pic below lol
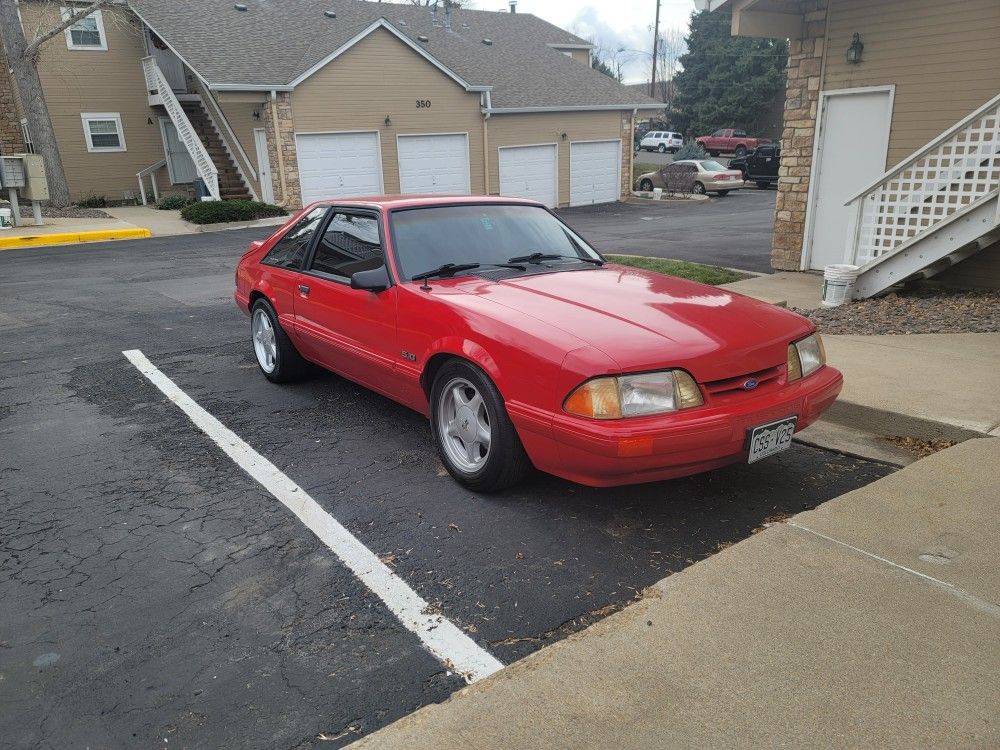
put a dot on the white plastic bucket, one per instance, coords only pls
(838, 283)
(6, 220)
(657, 193)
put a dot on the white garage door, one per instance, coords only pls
(433, 164)
(335, 165)
(594, 172)
(529, 172)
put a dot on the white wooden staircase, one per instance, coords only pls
(160, 93)
(934, 209)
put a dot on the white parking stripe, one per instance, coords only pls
(454, 648)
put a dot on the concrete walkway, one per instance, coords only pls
(801, 290)
(872, 621)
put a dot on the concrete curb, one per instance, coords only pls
(877, 421)
(71, 238)
(275, 221)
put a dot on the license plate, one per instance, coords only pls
(770, 438)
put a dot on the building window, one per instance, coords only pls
(87, 33)
(29, 147)
(103, 131)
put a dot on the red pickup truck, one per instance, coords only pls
(730, 141)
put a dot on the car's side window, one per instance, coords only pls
(717, 134)
(350, 243)
(290, 251)
(739, 134)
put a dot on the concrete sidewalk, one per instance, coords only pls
(872, 621)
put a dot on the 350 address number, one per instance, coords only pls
(423, 103)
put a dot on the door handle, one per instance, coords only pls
(303, 290)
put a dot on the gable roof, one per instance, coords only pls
(276, 44)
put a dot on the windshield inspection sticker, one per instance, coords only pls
(486, 222)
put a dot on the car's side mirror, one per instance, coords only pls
(376, 280)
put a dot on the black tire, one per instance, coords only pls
(740, 152)
(646, 186)
(506, 463)
(721, 193)
(699, 188)
(763, 184)
(662, 148)
(288, 363)
(713, 153)
(672, 150)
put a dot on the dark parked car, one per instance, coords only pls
(760, 165)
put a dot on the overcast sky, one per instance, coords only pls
(611, 23)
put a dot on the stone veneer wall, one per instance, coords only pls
(11, 138)
(285, 140)
(628, 125)
(805, 65)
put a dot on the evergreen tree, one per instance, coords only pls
(727, 81)
(598, 64)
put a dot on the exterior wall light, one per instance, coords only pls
(388, 121)
(855, 50)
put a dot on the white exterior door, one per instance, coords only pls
(529, 172)
(338, 165)
(594, 172)
(434, 164)
(853, 142)
(180, 167)
(263, 165)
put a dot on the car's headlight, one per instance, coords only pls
(634, 395)
(805, 356)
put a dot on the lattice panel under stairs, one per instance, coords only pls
(932, 187)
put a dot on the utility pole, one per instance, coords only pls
(656, 40)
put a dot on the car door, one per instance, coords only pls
(282, 268)
(350, 331)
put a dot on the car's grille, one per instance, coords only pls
(734, 388)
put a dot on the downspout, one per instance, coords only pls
(279, 149)
(487, 113)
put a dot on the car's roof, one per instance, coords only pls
(389, 202)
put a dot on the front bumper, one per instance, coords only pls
(646, 449)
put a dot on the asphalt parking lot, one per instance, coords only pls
(156, 595)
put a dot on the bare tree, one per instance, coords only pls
(672, 45)
(23, 56)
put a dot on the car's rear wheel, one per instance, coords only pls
(740, 152)
(662, 148)
(699, 188)
(646, 186)
(276, 355)
(713, 153)
(722, 192)
(473, 435)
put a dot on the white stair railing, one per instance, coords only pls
(942, 181)
(150, 172)
(157, 85)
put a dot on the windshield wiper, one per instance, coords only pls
(450, 269)
(539, 257)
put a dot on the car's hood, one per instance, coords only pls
(646, 321)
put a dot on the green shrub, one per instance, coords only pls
(690, 150)
(173, 203)
(93, 201)
(216, 212)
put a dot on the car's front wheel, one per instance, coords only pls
(763, 184)
(276, 355)
(473, 435)
(646, 186)
(662, 148)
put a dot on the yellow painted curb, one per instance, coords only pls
(67, 238)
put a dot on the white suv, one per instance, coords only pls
(662, 141)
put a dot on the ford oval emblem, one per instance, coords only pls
(749, 385)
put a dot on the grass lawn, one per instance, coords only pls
(640, 168)
(681, 268)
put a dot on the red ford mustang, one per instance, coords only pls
(524, 347)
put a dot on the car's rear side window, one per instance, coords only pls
(290, 251)
(350, 243)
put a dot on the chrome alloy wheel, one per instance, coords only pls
(264, 344)
(463, 425)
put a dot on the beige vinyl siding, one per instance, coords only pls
(942, 57)
(382, 76)
(529, 129)
(77, 81)
(580, 55)
(240, 118)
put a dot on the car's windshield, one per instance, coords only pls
(712, 166)
(427, 238)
